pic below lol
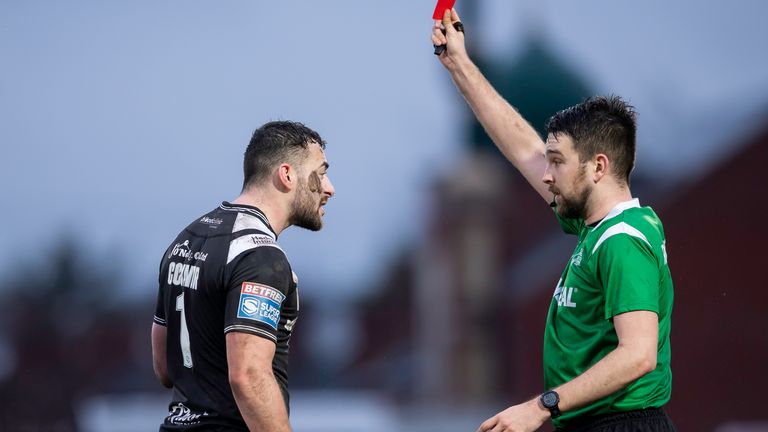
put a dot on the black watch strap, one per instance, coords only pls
(550, 401)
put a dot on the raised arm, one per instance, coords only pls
(511, 133)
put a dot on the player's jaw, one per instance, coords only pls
(307, 210)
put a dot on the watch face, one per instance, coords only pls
(549, 399)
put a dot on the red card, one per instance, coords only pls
(442, 6)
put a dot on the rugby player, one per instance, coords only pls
(228, 298)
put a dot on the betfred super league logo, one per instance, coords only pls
(260, 303)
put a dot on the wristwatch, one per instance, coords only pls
(550, 399)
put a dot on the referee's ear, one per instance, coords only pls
(601, 165)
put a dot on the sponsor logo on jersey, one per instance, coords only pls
(260, 303)
(180, 414)
(211, 221)
(262, 240)
(183, 275)
(576, 259)
(182, 250)
(564, 295)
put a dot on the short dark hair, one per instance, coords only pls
(274, 143)
(601, 124)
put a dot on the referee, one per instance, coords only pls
(228, 299)
(606, 341)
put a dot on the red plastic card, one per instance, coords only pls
(442, 6)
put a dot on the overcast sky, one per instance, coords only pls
(120, 122)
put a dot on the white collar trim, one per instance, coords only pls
(620, 207)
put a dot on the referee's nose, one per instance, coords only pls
(547, 177)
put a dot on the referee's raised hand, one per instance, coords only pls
(449, 33)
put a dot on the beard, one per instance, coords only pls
(304, 211)
(575, 207)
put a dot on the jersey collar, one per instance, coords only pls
(251, 210)
(620, 207)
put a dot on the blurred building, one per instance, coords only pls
(716, 242)
(451, 292)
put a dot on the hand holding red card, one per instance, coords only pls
(442, 6)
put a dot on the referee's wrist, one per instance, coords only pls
(466, 75)
(543, 412)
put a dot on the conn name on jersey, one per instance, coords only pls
(224, 272)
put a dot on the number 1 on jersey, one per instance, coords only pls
(186, 352)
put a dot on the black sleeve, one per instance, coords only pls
(159, 317)
(258, 286)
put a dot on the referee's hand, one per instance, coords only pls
(453, 39)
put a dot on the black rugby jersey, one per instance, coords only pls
(224, 272)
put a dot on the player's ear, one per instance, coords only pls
(601, 165)
(286, 177)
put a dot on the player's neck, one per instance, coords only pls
(277, 216)
(603, 201)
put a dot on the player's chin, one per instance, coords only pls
(312, 224)
(317, 226)
(318, 222)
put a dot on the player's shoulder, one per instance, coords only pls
(214, 222)
(255, 244)
(267, 264)
(268, 252)
(230, 219)
(198, 231)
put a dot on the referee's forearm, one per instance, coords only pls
(615, 371)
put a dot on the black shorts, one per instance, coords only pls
(646, 420)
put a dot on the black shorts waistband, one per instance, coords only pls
(590, 423)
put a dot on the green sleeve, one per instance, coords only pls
(629, 273)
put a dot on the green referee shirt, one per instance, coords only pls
(619, 265)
